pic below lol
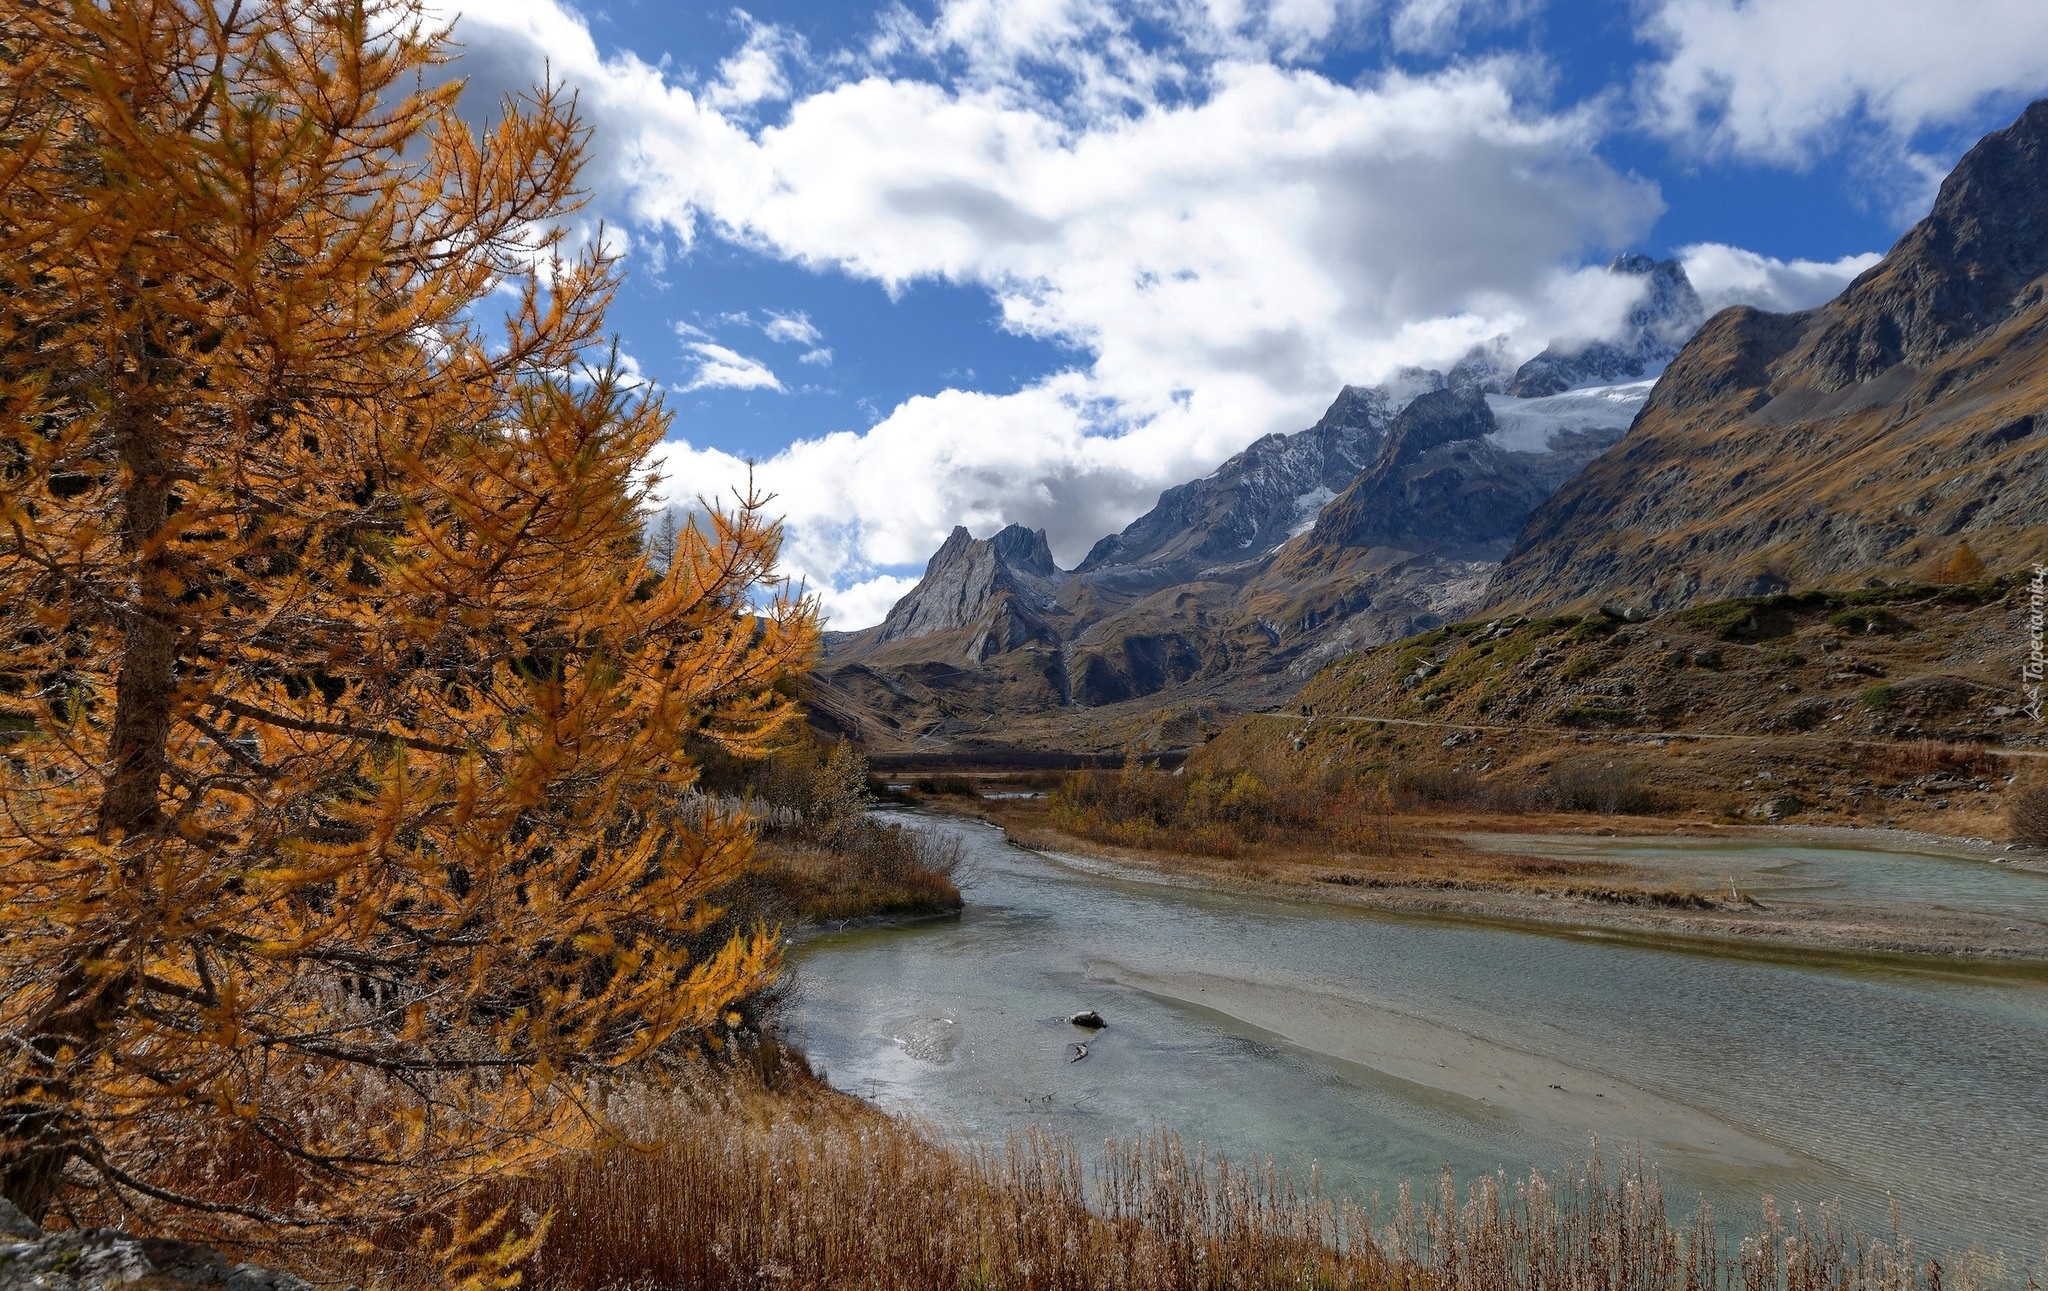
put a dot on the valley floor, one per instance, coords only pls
(1660, 880)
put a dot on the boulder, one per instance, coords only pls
(104, 1259)
(1088, 1018)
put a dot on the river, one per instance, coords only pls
(1381, 1048)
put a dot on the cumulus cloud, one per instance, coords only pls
(865, 602)
(1781, 79)
(1725, 275)
(754, 73)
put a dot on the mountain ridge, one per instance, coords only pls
(1883, 430)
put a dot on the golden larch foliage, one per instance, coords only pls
(1961, 566)
(345, 824)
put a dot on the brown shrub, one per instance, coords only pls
(1592, 783)
(2027, 811)
(1911, 758)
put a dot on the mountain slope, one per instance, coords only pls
(1864, 439)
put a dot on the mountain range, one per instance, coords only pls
(1680, 459)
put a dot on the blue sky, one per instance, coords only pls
(982, 261)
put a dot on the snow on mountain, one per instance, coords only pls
(1529, 425)
(1307, 507)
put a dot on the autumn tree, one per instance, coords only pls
(1960, 566)
(344, 814)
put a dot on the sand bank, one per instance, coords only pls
(1473, 1076)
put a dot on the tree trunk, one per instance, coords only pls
(144, 688)
(35, 1142)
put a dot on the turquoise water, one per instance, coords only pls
(1869, 1077)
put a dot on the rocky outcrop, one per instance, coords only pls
(104, 1259)
(1442, 484)
(1423, 488)
(1871, 438)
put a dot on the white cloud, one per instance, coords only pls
(1725, 275)
(819, 357)
(754, 74)
(1782, 79)
(1003, 46)
(865, 602)
(721, 368)
(792, 329)
(1434, 26)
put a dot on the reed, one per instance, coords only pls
(717, 1187)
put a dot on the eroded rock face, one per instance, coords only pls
(1952, 275)
(103, 1259)
(968, 578)
(1440, 483)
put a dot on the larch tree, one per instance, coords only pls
(345, 813)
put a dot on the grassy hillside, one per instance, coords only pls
(1867, 706)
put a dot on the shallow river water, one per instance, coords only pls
(1382, 1048)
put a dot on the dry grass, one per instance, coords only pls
(751, 1173)
(883, 870)
(1269, 806)
(1910, 759)
(1418, 858)
(717, 1188)
(1372, 832)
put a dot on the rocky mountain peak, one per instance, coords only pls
(1485, 368)
(1253, 502)
(1356, 408)
(1024, 550)
(1668, 313)
(968, 575)
(1399, 500)
(1954, 273)
(1438, 417)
